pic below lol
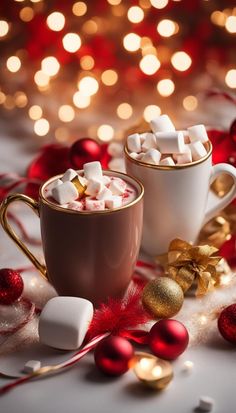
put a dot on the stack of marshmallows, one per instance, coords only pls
(166, 146)
(92, 192)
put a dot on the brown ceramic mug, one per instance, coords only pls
(89, 254)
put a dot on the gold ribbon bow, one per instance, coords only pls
(187, 263)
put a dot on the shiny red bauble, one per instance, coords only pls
(168, 339)
(11, 286)
(227, 323)
(113, 355)
(83, 151)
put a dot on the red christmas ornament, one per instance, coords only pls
(227, 323)
(11, 286)
(168, 339)
(112, 355)
(83, 151)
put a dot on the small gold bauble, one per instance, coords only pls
(162, 297)
(152, 371)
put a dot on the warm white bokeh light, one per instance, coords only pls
(56, 21)
(131, 42)
(181, 61)
(13, 64)
(159, 4)
(81, 101)
(4, 28)
(124, 110)
(50, 66)
(166, 28)
(87, 62)
(109, 77)
(88, 85)
(41, 79)
(151, 112)
(66, 113)
(41, 127)
(105, 133)
(114, 2)
(35, 112)
(230, 78)
(165, 87)
(190, 103)
(135, 14)
(21, 99)
(26, 14)
(71, 42)
(149, 64)
(230, 24)
(79, 8)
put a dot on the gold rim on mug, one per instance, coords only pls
(104, 211)
(169, 167)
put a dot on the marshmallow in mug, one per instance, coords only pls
(180, 147)
(90, 192)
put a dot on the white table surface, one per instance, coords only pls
(83, 389)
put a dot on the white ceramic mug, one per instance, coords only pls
(176, 199)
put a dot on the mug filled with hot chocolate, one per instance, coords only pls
(91, 226)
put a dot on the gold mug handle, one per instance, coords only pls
(6, 226)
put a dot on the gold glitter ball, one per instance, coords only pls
(162, 297)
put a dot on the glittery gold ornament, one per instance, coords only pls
(152, 371)
(162, 297)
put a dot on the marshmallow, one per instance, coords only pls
(135, 155)
(106, 180)
(76, 205)
(117, 187)
(149, 142)
(105, 193)
(197, 149)
(64, 322)
(182, 158)
(69, 175)
(170, 142)
(152, 156)
(162, 124)
(143, 136)
(134, 143)
(167, 161)
(94, 187)
(113, 202)
(188, 366)
(31, 366)
(206, 403)
(64, 193)
(115, 149)
(94, 205)
(198, 133)
(54, 184)
(93, 170)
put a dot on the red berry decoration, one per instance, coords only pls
(83, 151)
(227, 323)
(168, 339)
(11, 286)
(113, 355)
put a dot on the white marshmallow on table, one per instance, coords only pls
(53, 184)
(31, 366)
(105, 193)
(69, 175)
(167, 161)
(183, 158)
(152, 156)
(64, 322)
(117, 187)
(94, 204)
(93, 170)
(115, 149)
(170, 142)
(64, 193)
(113, 202)
(134, 142)
(197, 149)
(162, 124)
(206, 403)
(150, 142)
(94, 187)
(76, 205)
(198, 133)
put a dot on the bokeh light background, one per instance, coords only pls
(93, 68)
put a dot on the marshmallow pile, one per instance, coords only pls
(167, 146)
(91, 192)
